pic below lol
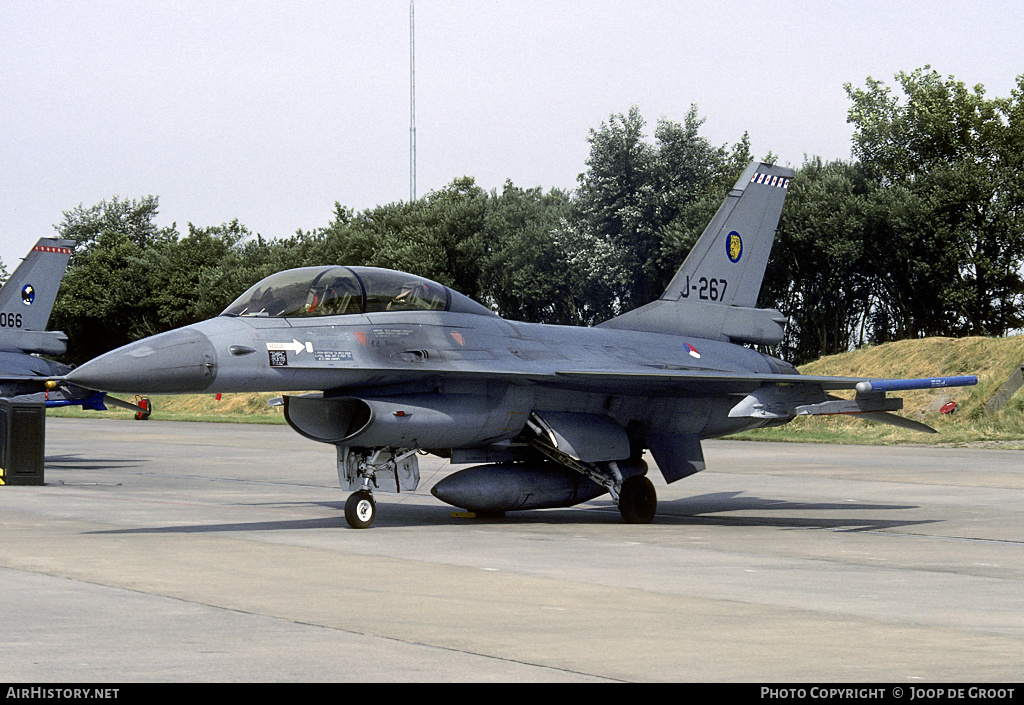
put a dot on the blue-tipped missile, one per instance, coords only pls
(898, 385)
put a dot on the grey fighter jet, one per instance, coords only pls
(26, 301)
(551, 415)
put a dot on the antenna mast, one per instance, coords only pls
(412, 101)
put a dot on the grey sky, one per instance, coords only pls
(269, 112)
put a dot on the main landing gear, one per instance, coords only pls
(638, 500)
(625, 481)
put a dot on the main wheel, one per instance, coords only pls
(360, 509)
(638, 500)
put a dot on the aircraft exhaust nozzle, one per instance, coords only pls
(506, 488)
(180, 361)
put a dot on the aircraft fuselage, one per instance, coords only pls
(436, 352)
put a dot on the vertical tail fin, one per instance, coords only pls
(726, 265)
(27, 298)
(715, 290)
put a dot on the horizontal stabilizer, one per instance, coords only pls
(120, 403)
(900, 421)
(44, 342)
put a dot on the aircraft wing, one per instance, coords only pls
(738, 382)
(780, 396)
(631, 380)
(756, 395)
(696, 381)
(627, 381)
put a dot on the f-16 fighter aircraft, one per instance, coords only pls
(552, 415)
(26, 301)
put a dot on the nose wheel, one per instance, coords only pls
(360, 509)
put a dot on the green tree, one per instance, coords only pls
(643, 201)
(454, 218)
(105, 298)
(525, 274)
(439, 236)
(182, 272)
(616, 202)
(817, 274)
(950, 232)
(129, 279)
(235, 259)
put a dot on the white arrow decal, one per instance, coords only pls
(295, 346)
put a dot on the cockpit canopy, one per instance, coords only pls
(339, 291)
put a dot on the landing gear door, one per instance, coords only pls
(590, 438)
(387, 470)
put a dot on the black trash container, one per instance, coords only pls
(22, 442)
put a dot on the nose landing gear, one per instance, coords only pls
(360, 509)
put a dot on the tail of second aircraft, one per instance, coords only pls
(715, 290)
(27, 298)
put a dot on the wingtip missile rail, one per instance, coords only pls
(900, 385)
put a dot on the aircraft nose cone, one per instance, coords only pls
(177, 362)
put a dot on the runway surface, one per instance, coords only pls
(161, 551)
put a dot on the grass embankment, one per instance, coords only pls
(230, 408)
(993, 360)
